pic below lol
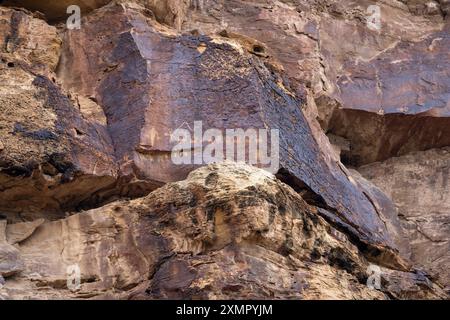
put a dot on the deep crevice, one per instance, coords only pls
(375, 137)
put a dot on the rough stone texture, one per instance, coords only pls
(28, 39)
(396, 103)
(10, 259)
(86, 116)
(56, 10)
(223, 81)
(51, 155)
(228, 231)
(380, 89)
(419, 185)
(16, 233)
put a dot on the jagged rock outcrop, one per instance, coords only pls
(228, 231)
(385, 90)
(396, 103)
(87, 117)
(51, 156)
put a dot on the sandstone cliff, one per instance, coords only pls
(87, 177)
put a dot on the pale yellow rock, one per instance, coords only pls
(19, 232)
(227, 232)
(11, 261)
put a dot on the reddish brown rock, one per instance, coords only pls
(28, 39)
(225, 82)
(56, 10)
(52, 157)
(312, 39)
(331, 55)
(98, 128)
(396, 103)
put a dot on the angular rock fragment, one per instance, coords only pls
(10, 260)
(410, 286)
(19, 232)
(24, 38)
(56, 10)
(333, 57)
(52, 156)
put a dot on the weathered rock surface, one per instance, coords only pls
(10, 259)
(86, 118)
(28, 39)
(396, 103)
(51, 155)
(18, 232)
(228, 231)
(396, 74)
(419, 185)
(223, 81)
(56, 10)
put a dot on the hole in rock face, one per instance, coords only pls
(11, 65)
(258, 49)
(78, 132)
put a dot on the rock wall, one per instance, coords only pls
(87, 178)
(418, 183)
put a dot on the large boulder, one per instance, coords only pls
(229, 231)
(383, 89)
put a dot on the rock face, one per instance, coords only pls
(56, 10)
(51, 154)
(222, 81)
(382, 88)
(89, 184)
(10, 259)
(228, 231)
(28, 39)
(418, 183)
(400, 99)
